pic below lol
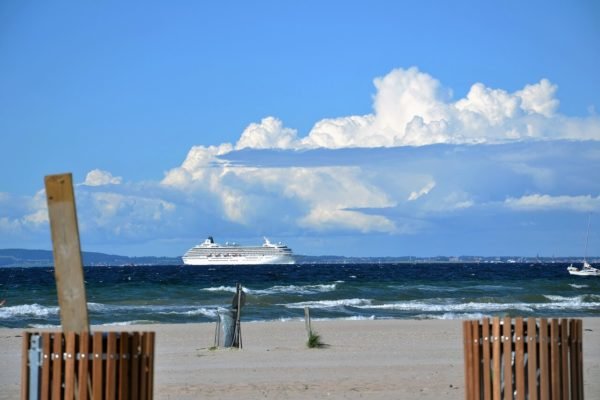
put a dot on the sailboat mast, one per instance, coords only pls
(587, 237)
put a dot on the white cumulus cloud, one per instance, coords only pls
(412, 108)
(98, 177)
(269, 134)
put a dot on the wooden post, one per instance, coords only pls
(68, 267)
(307, 321)
(239, 301)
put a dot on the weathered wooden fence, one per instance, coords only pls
(525, 359)
(112, 365)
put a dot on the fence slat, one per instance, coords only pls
(124, 361)
(486, 372)
(496, 388)
(150, 354)
(519, 359)
(468, 354)
(97, 370)
(135, 366)
(84, 365)
(71, 355)
(25, 367)
(554, 359)
(111, 365)
(532, 366)
(507, 353)
(475, 335)
(147, 366)
(57, 366)
(46, 365)
(579, 336)
(544, 360)
(564, 357)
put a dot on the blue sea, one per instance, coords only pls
(185, 294)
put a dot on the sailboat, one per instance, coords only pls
(586, 269)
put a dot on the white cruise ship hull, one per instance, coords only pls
(237, 260)
(211, 253)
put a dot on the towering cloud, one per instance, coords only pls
(413, 108)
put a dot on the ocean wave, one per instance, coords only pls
(134, 322)
(231, 289)
(454, 316)
(44, 326)
(329, 303)
(582, 298)
(576, 286)
(432, 307)
(454, 289)
(28, 310)
(207, 312)
(294, 289)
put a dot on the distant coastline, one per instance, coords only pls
(43, 258)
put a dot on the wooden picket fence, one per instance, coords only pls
(525, 359)
(113, 365)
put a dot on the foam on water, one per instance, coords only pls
(28, 310)
(329, 303)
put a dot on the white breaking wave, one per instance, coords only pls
(134, 322)
(24, 310)
(576, 286)
(453, 316)
(291, 289)
(231, 289)
(287, 289)
(428, 307)
(330, 303)
(207, 312)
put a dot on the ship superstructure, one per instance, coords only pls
(211, 253)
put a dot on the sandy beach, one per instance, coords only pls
(380, 359)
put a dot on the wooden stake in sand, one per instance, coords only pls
(68, 267)
(307, 322)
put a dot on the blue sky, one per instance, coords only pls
(339, 127)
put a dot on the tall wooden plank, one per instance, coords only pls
(475, 336)
(25, 367)
(544, 348)
(97, 370)
(84, 366)
(519, 359)
(467, 339)
(57, 366)
(124, 362)
(554, 359)
(564, 357)
(111, 365)
(486, 370)
(532, 346)
(134, 381)
(46, 365)
(66, 250)
(507, 358)
(496, 355)
(70, 356)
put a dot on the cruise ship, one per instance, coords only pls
(211, 253)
